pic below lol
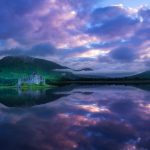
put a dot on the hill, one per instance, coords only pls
(143, 75)
(14, 67)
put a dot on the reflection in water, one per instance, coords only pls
(85, 118)
(26, 98)
(31, 93)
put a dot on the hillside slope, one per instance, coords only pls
(27, 64)
(14, 67)
(143, 75)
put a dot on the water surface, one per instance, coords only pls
(81, 117)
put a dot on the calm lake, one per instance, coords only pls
(76, 117)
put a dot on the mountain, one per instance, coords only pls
(14, 67)
(143, 75)
(28, 63)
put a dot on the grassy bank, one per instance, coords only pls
(7, 87)
(27, 87)
(35, 87)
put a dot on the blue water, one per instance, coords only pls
(79, 118)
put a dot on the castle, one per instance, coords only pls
(32, 79)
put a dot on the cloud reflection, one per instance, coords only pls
(89, 119)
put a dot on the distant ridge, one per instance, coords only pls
(30, 60)
(16, 66)
(143, 75)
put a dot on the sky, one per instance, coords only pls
(104, 35)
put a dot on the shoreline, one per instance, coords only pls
(109, 82)
(61, 83)
(26, 87)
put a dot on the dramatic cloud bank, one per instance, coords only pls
(77, 33)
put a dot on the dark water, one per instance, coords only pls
(80, 118)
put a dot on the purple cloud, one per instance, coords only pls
(123, 54)
(41, 50)
(40, 28)
(113, 22)
(106, 13)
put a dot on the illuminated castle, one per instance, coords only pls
(32, 79)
